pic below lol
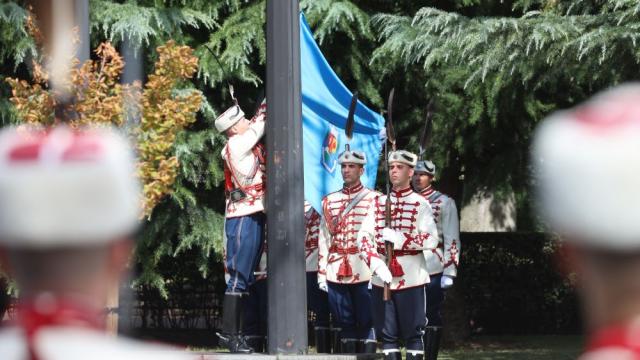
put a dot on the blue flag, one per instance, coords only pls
(325, 107)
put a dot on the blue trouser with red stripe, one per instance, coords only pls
(245, 238)
(435, 298)
(350, 305)
(402, 317)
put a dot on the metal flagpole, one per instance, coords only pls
(287, 319)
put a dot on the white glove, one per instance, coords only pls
(446, 282)
(392, 236)
(379, 268)
(323, 286)
(383, 134)
(262, 109)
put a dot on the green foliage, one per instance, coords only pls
(15, 43)
(501, 269)
(143, 21)
(16, 47)
(494, 69)
(494, 77)
(237, 46)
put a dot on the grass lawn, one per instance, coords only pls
(558, 347)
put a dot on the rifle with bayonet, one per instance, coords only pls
(425, 138)
(391, 138)
(334, 221)
(348, 128)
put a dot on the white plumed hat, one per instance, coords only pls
(403, 156)
(587, 169)
(352, 156)
(426, 166)
(229, 118)
(64, 187)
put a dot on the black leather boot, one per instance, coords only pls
(335, 340)
(432, 336)
(369, 347)
(396, 355)
(349, 346)
(231, 336)
(323, 340)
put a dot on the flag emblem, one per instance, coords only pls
(330, 150)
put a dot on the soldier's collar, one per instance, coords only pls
(402, 192)
(428, 190)
(352, 190)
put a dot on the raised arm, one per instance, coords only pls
(244, 143)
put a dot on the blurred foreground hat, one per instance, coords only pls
(64, 187)
(587, 169)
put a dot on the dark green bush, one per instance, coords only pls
(509, 283)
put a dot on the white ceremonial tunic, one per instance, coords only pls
(446, 257)
(244, 159)
(339, 260)
(412, 218)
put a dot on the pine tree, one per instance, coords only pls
(16, 46)
(495, 72)
(494, 68)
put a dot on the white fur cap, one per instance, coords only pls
(66, 188)
(426, 166)
(403, 156)
(353, 157)
(229, 118)
(587, 168)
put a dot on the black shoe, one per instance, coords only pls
(236, 344)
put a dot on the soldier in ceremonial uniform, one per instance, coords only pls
(442, 262)
(317, 300)
(587, 169)
(244, 161)
(414, 235)
(341, 270)
(69, 205)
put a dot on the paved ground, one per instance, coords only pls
(561, 347)
(223, 356)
